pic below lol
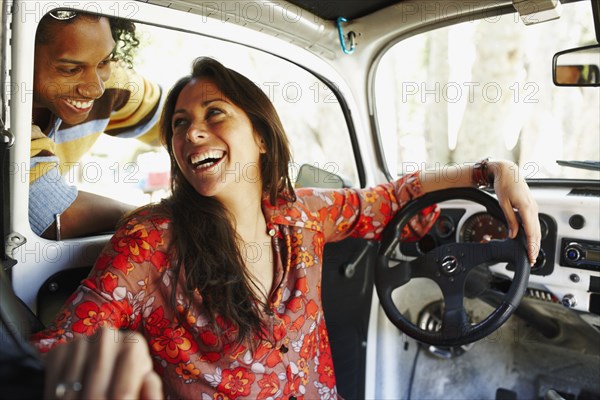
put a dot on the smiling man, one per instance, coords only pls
(82, 88)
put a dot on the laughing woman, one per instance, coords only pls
(223, 279)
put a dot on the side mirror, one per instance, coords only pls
(577, 67)
(311, 176)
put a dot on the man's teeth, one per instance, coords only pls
(80, 104)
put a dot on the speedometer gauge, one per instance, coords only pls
(481, 228)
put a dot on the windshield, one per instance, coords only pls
(484, 88)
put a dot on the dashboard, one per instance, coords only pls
(567, 270)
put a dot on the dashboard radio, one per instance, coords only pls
(583, 254)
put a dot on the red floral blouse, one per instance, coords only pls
(131, 283)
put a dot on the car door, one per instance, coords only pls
(315, 113)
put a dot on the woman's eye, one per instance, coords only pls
(213, 112)
(178, 123)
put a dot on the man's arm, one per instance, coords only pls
(88, 214)
(138, 109)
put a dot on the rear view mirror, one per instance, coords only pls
(577, 67)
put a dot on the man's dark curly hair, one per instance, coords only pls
(123, 32)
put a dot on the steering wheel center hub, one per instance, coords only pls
(450, 265)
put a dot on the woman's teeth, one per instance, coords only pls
(206, 160)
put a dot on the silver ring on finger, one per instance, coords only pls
(63, 387)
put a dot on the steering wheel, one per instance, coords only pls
(448, 266)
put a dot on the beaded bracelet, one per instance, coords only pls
(482, 176)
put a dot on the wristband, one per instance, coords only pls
(482, 176)
(57, 219)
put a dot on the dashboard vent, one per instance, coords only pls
(595, 303)
(585, 191)
(594, 284)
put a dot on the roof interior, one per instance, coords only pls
(352, 9)
(349, 9)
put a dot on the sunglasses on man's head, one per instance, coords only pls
(63, 15)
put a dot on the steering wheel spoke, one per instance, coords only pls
(398, 274)
(504, 250)
(423, 267)
(455, 322)
(403, 271)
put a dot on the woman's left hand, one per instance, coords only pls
(514, 196)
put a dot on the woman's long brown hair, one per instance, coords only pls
(203, 234)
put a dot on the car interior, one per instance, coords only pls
(369, 91)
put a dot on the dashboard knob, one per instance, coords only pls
(569, 301)
(573, 252)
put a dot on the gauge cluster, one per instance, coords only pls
(480, 227)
